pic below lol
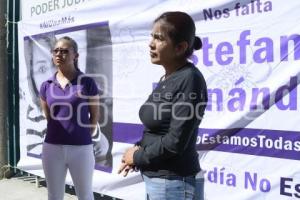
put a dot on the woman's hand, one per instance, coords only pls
(128, 155)
(125, 169)
(127, 161)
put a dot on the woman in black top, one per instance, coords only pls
(167, 155)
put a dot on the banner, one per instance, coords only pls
(248, 141)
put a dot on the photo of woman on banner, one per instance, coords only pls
(167, 155)
(92, 43)
(39, 65)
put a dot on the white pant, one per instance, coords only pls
(80, 161)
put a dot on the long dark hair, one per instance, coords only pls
(181, 27)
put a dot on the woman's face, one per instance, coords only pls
(63, 54)
(41, 63)
(162, 49)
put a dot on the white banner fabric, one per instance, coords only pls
(249, 139)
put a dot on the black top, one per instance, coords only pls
(171, 116)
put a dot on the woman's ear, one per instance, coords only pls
(181, 48)
(76, 57)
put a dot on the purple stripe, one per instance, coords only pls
(252, 134)
(103, 168)
(66, 30)
(127, 133)
(131, 133)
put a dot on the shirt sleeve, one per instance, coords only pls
(183, 124)
(91, 87)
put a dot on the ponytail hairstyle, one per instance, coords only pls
(74, 46)
(181, 27)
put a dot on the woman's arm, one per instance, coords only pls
(94, 112)
(45, 109)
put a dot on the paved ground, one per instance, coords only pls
(27, 187)
(24, 188)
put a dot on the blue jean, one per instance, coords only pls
(175, 188)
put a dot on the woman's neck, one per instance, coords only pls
(173, 67)
(69, 73)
